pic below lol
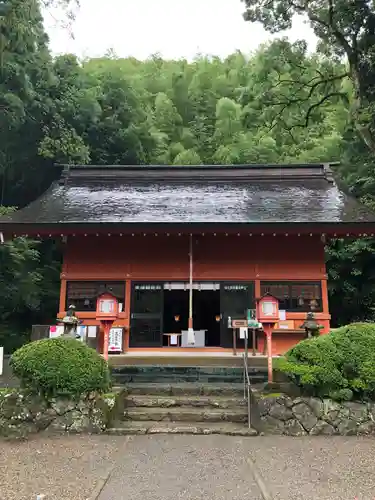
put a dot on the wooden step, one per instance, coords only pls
(204, 428)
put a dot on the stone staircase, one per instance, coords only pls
(182, 408)
(161, 373)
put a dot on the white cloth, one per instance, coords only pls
(191, 336)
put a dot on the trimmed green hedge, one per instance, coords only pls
(340, 365)
(60, 366)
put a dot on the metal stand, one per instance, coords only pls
(234, 341)
(246, 379)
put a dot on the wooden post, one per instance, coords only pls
(190, 323)
(234, 341)
(62, 306)
(268, 332)
(247, 345)
(264, 343)
(107, 325)
(126, 340)
(254, 340)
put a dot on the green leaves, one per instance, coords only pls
(60, 366)
(62, 144)
(344, 29)
(339, 365)
(187, 157)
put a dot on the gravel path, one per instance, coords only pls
(222, 467)
(62, 468)
(166, 467)
(321, 468)
(182, 467)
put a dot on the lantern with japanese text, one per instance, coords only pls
(268, 315)
(107, 311)
(268, 309)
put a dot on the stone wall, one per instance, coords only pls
(7, 379)
(281, 414)
(22, 414)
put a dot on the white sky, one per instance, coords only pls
(173, 28)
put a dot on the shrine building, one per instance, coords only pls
(147, 234)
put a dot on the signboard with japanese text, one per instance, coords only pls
(239, 323)
(115, 340)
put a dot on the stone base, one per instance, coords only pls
(182, 409)
(281, 414)
(228, 429)
(22, 414)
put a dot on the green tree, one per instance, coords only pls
(166, 117)
(187, 157)
(119, 134)
(24, 69)
(228, 121)
(344, 29)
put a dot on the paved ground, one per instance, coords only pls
(62, 468)
(188, 467)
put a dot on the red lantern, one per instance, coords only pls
(268, 315)
(107, 311)
(268, 309)
(107, 307)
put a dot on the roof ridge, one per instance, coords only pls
(265, 166)
(182, 173)
(255, 197)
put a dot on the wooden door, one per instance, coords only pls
(146, 318)
(235, 299)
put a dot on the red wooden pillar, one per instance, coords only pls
(107, 325)
(325, 296)
(62, 305)
(259, 341)
(127, 310)
(268, 332)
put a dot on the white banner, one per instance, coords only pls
(56, 331)
(82, 332)
(115, 340)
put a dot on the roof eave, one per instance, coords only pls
(365, 228)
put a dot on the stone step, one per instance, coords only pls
(137, 379)
(165, 373)
(147, 401)
(130, 359)
(181, 414)
(175, 369)
(187, 389)
(148, 379)
(205, 428)
(209, 371)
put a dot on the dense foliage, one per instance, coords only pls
(60, 366)
(346, 30)
(280, 104)
(340, 365)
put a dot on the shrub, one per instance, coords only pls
(60, 366)
(340, 365)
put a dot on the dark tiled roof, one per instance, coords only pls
(217, 194)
